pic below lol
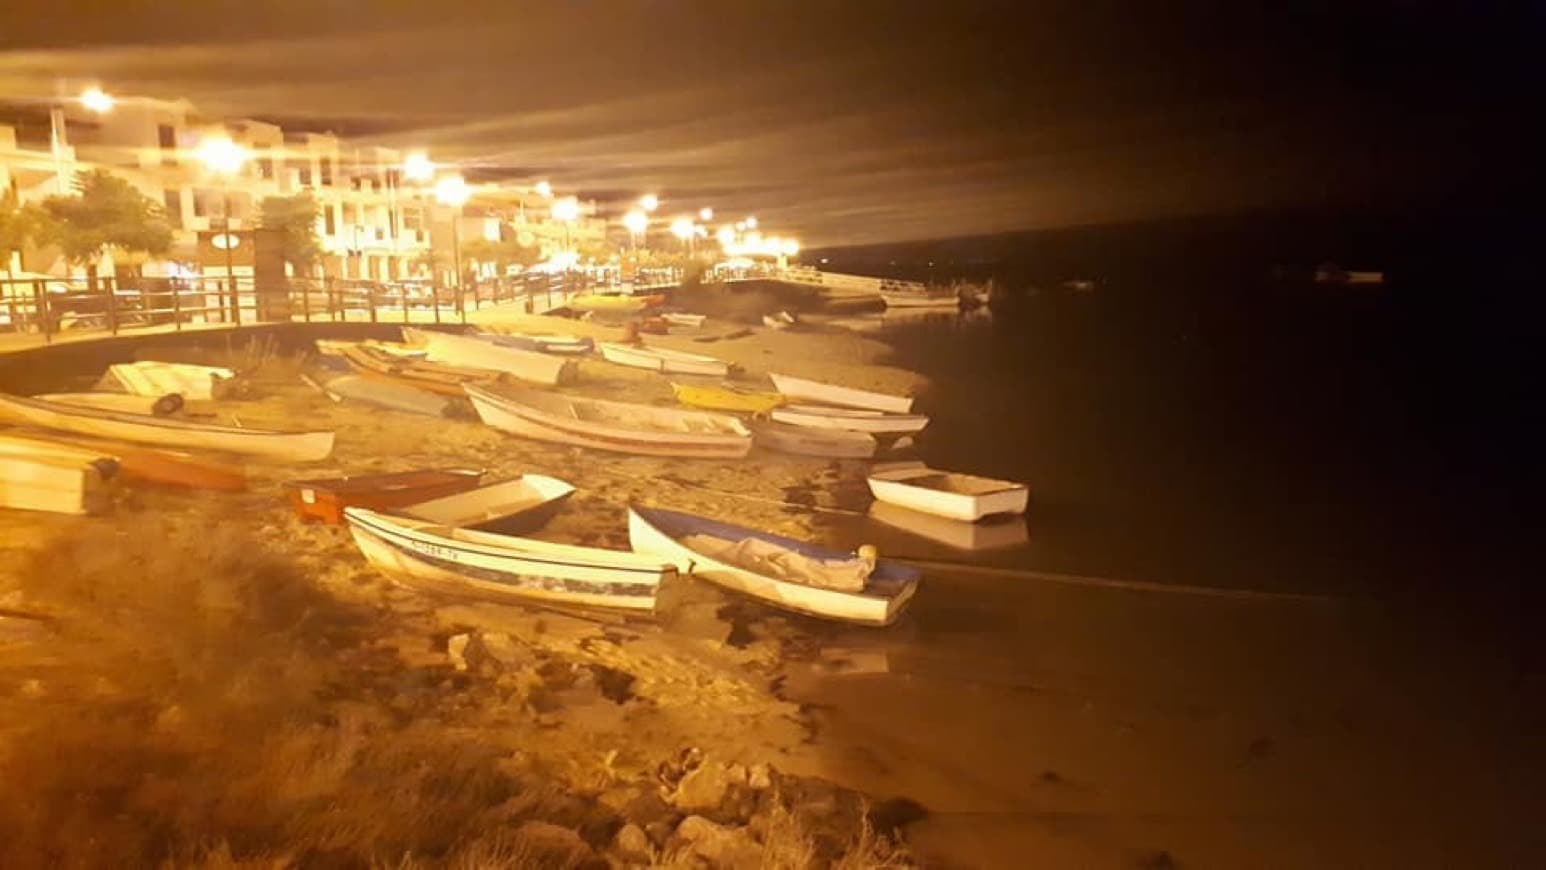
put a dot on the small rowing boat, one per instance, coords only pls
(324, 499)
(614, 302)
(139, 464)
(150, 378)
(509, 507)
(447, 380)
(566, 345)
(802, 390)
(660, 359)
(124, 403)
(501, 567)
(477, 353)
(384, 393)
(946, 494)
(726, 398)
(623, 427)
(54, 483)
(850, 419)
(920, 300)
(780, 571)
(166, 431)
(805, 441)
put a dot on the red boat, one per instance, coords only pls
(325, 498)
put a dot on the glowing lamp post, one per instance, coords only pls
(225, 159)
(649, 202)
(566, 211)
(543, 189)
(452, 191)
(637, 223)
(705, 214)
(94, 100)
(418, 167)
(684, 230)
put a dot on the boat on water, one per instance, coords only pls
(151, 378)
(805, 441)
(816, 392)
(447, 380)
(471, 563)
(167, 431)
(615, 302)
(676, 318)
(54, 483)
(136, 464)
(850, 419)
(948, 494)
(990, 534)
(125, 403)
(719, 398)
(478, 353)
(508, 507)
(324, 499)
(660, 359)
(566, 345)
(780, 571)
(896, 299)
(622, 427)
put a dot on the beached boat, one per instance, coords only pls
(692, 321)
(150, 378)
(990, 534)
(54, 483)
(850, 419)
(618, 426)
(383, 393)
(437, 378)
(805, 441)
(726, 398)
(335, 347)
(134, 464)
(920, 300)
(509, 507)
(947, 494)
(660, 359)
(124, 403)
(286, 446)
(614, 302)
(781, 571)
(565, 345)
(802, 390)
(501, 567)
(325, 498)
(477, 353)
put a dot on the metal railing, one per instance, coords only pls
(54, 306)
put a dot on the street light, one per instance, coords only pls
(726, 236)
(566, 211)
(686, 232)
(705, 214)
(97, 100)
(543, 189)
(225, 158)
(94, 100)
(418, 167)
(452, 191)
(649, 202)
(637, 222)
(751, 223)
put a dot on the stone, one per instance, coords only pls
(553, 845)
(760, 777)
(456, 649)
(633, 845)
(720, 845)
(650, 811)
(705, 788)
(498, 646)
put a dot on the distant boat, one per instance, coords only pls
(920, 300)
(136, 464)
(800, 389)
(372, 362)
(124, 403)
(850, 419)
(622, 427)
(660, 359)
(961, 535)
(54, 483)
(170, 432)
(149, 378)
(610, 302)
(325, 498)
(692, 321)
(565, 345)
(476, 353)
(508, 507)
(781, 320)
(805, 441)
(763, 566)
(948, 494)
(1079, 285)
(716, 398)
(499, 567)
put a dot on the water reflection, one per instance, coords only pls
(994, 533)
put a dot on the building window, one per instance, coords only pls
(265, 163)
(413, 219)
(166, 137)
(305, 174)
(329, 222)
(173, 201)
(327, 172)
(201, 200)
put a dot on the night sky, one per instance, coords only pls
(849, 122)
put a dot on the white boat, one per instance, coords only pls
(476, 353)
(805, 441)
(947, 494)
(679, 319)
(660, 359)
(483, 565)
(166, 431)
(509, 507)
(150, 378)
(992, 534)
(385, 394)
(684, 539)
(622, 427)
(53, 483)
(921, 300)
(850, 419)
(124, 403)
(567, 345)
(800, 389)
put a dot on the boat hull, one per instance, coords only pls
(850, 421)
(477, 353)
(725, 399)
(162, 378)
(509, 507)
(502, 412)
(326, 499)
(661, 360)
(816, 392)
(52, 484)
(973, 499)
(910, 300)
(804, 441)
(512, 570)
(654, 531)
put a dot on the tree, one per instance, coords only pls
(503, 253)
(295, 217)
(105, 213)
(18, 224)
